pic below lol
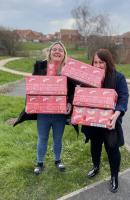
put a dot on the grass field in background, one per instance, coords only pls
(18, 157)
(6, 77)
(34, 46)
(4, 57)
(24, 64)
(125, 69)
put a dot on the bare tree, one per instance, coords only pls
(92, 27)
(9, 40)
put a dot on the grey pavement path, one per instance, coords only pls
(17, 90)
(100, 191)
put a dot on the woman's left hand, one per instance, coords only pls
(69, 107)
(113, 119)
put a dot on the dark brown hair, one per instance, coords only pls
(106, 56)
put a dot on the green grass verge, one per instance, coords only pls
(24, 64)
(6, 77)
(18, 157)
(125, 69)
(4, 57)
(25, 46)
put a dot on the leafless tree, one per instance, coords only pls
(95, 28)
(9, 41)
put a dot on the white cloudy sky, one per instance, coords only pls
(48, 16)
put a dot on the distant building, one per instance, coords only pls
(70, 36)
(29, 35)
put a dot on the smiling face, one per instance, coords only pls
(97, 62)
(57, 54)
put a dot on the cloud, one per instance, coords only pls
(61, 24)
(48, 16)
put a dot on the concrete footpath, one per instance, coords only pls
(98, 190)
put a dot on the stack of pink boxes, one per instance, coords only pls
(93, 106)
(46, 94)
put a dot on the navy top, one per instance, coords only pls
(122, 103)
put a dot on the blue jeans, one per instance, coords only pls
(44, 124)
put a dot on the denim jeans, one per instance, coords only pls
(44, 123)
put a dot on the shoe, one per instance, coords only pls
(114, 184)
(93, 172)
(60, 166)
(38, 169)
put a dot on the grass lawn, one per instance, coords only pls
(4, 57)
(125, 69)
(24, 64)
(34, 45)
(18, 157)
(6, 77)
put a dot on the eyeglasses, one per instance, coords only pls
(55, 49)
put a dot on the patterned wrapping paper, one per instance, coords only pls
(46, 104)
(46, 85)
(91, 116)
(95, 97)
(84, 73)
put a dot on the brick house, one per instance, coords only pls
(29, 35)
(68, 36)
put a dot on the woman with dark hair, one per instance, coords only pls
(113, 137)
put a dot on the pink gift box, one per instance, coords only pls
(91, 116)
(46, 104)
(46, 85)
(95, 97)
(84, 73)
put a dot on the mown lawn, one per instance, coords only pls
(4, 57)
(18, 157)
(6, 77)
(24, 64)
(34, 45)
(125, 69)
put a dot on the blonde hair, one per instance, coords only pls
(65, 52)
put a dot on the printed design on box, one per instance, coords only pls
(97, 97)
(46, 104)
(84, 73)
(91, 116)
(46, 85)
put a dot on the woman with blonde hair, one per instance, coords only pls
(56, 55)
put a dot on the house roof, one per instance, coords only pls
(69, 31)
(126, 35)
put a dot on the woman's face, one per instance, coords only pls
(99, 63)
(57, 53)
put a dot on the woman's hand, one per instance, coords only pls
(113, 119)
(69, 107)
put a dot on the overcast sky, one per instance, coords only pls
(49, 16)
